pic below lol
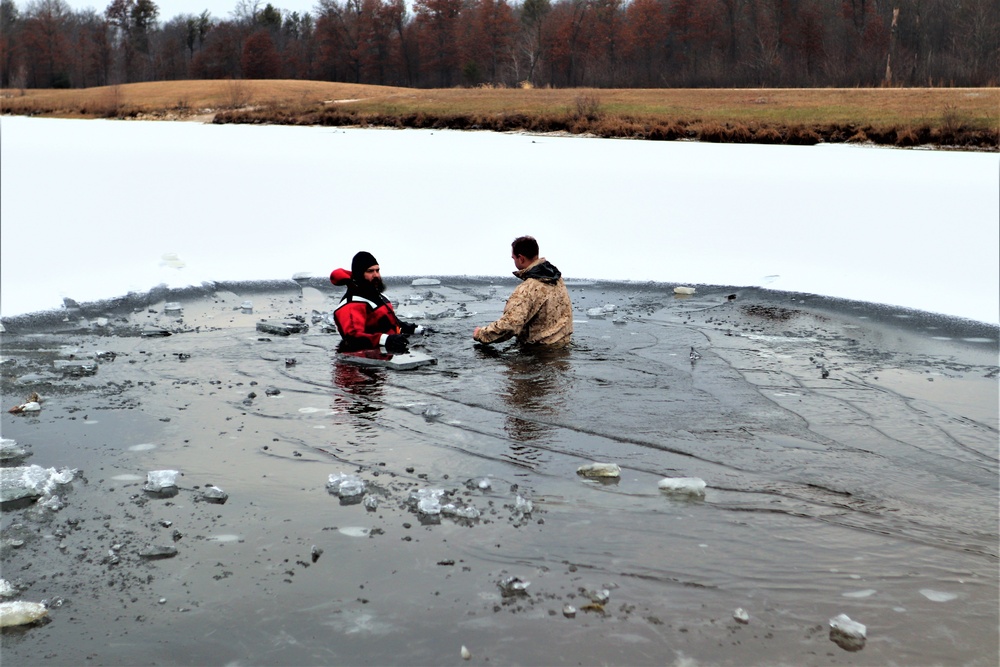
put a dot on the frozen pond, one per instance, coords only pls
(848, 449)
(94, 209)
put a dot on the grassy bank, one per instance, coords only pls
(967, 118)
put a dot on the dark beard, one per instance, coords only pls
(377, 284)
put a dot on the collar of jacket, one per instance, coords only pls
(367, 293)
(542, 270)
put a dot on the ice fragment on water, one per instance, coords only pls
(937, 596)
(371, 503)
(610, 308)
(155, 552)
(21, 612)
(31, 481)
(595, 312)
(482, 484)
(569, 611)
(427, 501)
(692, 486)
(350, 488)
(158, 480)
(425, 282)
(214, 494)
(466, 654)
(512, 586)
(741, 615)
(847, 634)
(599, 470)
(9, 449)
(684, 290)
(172, 308)
(868, 592)
(460, 510)
(523, 506)
(6, 589)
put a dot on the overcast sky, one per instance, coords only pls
(219, 9)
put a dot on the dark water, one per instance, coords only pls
(850, 454)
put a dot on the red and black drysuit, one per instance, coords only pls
(365, 318)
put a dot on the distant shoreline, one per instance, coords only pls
(941, 118)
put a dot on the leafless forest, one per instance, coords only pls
(509, 43)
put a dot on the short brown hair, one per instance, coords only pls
(526, 246)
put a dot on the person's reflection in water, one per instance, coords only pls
(535, 394)
(362, 392)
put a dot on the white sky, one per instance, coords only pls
(220, 9)
(94, 209)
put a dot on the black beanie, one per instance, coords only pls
(361, 263)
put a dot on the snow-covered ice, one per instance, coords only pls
(94, 209)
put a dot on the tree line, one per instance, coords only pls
(560, 43)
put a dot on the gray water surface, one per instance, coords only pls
(849, 450)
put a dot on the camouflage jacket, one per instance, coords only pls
(538, 311)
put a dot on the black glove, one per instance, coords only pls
(407, 327)
(396, 343)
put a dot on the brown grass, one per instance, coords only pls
(964, 117)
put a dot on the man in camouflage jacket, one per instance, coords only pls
(539, 310)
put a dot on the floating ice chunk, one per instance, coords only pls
(157, 553)
(600, 596)
(425, 282)
(684, 290)
(214, 494)
(569, 611)
(247, 307)
(301, 275)
(172, 308)
(460, 510)
(354, 531)
(7, 589)
(599, 470)
(158, 480)
(595, 312)
(9, 449)
(610, 308)
(465, 653)
(741, 616)
(427, 501)
(512, 586)
(371, 503)
(937, 596)
(21, 613)
(847, 634)
(868, 592)
(53, 503)
(347, 487)
(31, 481)
(523, 506)
(691, 486)
(482, 484)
